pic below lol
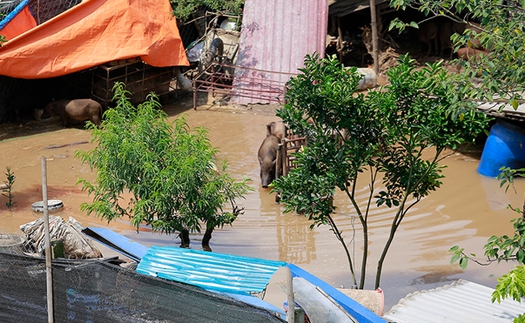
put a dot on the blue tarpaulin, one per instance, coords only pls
(8, 18)
(209, 270)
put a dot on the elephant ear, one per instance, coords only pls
(269, 129)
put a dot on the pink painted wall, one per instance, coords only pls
(275, 37)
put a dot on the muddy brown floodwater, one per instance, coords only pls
(465, 211)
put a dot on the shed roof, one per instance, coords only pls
(92, 33)
(339, 8)
(461, 301)
(209, 270)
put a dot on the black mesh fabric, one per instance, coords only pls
(100, 291)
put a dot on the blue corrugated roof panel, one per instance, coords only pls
(209, 270)
(117, 242)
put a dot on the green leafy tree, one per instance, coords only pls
(392, 138)
(502, 77)
(8, 186)
(183, 9)
(169, 171)
(502, 34)
(504, 248)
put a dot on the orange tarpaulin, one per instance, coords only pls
(20, 24)
(93, 33)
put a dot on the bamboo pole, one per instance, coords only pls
(279, 165)
(339, 45)
(49, 276)
(290, 317)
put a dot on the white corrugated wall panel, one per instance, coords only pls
(459, 302)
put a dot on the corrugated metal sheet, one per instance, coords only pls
(339, 8)
(275, 37)
(355, 309)
(209, 270)
(117, 242)
(461, 301)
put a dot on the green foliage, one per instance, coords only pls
(502, 33)
(512, 285)
(169, 171)
(382, 136)
(460, 255)
(183, 9)
(502, 75)
(504, 248)
(10, 176)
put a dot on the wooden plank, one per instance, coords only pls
(508, 112)
(361, 313)
(317, 306)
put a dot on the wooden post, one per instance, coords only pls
(278, 159)
(194, 85)
(49, 276)
(339, 45)
(278, 166)
(375, 43)
(290, 315)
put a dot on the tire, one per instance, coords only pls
(211, 55)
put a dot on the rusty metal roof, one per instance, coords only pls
(339, 8)
(276, 35)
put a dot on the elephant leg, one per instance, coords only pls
(65, 121)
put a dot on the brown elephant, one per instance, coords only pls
(79, 109)
(267, 158)
(276, 128)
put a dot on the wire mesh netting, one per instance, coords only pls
(42, 11)
(11, 243)
(100, 291)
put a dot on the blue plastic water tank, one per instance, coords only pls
(505, 146)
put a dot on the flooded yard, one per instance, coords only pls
(465, 211)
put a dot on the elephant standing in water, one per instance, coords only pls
(267, 159)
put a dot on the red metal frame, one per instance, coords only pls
(215, 80)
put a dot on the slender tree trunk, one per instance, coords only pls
(365, 255)
(375, 41)
(348, 256)
(206, 239)
(393, 230)
(184, 236)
